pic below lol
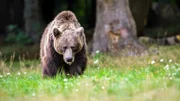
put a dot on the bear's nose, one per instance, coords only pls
(69, 59)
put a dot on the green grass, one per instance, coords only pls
(106, 78)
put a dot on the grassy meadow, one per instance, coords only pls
(107, 78)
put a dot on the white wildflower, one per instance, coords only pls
(170, 60)
(8, 73)
(1, 76)
(25, 72)
(96, 61)
(77, 90)
(166, 67)
(161, 60)
(33, 94)
(178, 69)
(97, 52)
(66, 87)
(152, 62)
(65, 80)
(87, 84)
(103, 87)
(19, 73)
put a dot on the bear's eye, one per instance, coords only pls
(64, 48)
(56, 32)
(75, 49)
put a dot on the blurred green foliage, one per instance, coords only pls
(17, 36)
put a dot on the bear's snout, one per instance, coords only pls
(68, 56)
(69, 59)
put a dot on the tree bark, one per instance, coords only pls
(32, 17)
(115, 29)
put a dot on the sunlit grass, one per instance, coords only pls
(107, 78)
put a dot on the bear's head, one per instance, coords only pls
(68, 43)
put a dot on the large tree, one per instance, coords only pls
(116, 29)
(32, 17)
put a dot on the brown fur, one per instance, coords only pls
(50, 47)
(67, 16)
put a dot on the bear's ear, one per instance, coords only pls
(80, 31)
(56, 32)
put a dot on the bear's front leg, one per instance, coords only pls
(49, 67)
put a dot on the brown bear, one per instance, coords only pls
(63, 46)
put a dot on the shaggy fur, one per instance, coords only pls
(51, 57)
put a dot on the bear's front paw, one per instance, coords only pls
(75, 71)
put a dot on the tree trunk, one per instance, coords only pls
(32, 17)
(115, 29)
